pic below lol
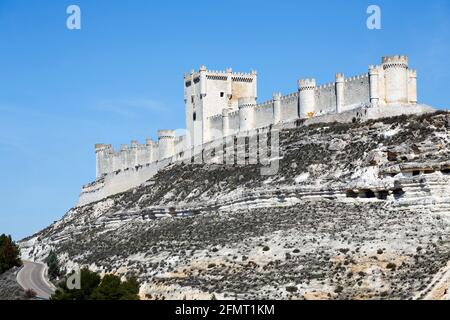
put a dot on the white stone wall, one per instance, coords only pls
(234, 121)
(215, 126)
(209, 95)
(307, 98)
(193, 107)
(166, 144)
(356, 91)
(289, 107)
(264, 114)
(247, 106)
(412, 86)
(326, 99)
(396, 79)
(208, 92)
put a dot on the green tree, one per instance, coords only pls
(108, 288)
(53, 265)
(9, 254)
(129, 289)
(94, 288)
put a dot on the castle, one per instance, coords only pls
(221, 104)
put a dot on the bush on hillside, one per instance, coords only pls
(9, 254)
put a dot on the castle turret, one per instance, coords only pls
(246, 107)
(149, 146)
(123, 156)
(133, 154)
(307, 97)
(412, 86)
(226, 122)
(373, 86)
(203, 87)
(339, 92)
(396, 78)
(207, 93)
(276, 108)
(254, 75)
(166, 143)
(229, 73)
(102, 164)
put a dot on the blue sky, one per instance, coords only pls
(120, 77)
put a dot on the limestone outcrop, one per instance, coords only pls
(356, 211)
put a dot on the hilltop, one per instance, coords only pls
(356, 210)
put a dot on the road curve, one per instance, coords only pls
(33, 276)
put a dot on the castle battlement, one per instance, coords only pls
(166, 134)
(395, 59)
(247, 102)
(306, 84)
(217, 116)
(219, 103)
(289, 96)
(221, 74)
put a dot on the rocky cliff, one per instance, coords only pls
(358, 210)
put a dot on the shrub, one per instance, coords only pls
(9, 254)
(339, 289)
(30, 294)
(95, 288)
(391, 266)
(53, 265)
(291, 289)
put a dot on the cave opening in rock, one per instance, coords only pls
(351, 194)
(383, 194)
(398, 193)
(367, 193)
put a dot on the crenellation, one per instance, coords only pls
(223, 103)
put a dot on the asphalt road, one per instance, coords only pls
(33, 276)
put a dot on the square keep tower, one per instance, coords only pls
(207, 93)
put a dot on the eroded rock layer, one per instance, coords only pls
(355, 211)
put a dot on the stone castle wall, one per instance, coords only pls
(223, 103)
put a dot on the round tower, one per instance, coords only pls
(166, 143)
(149, 144)
(123, 156)
(339, 92)
(102, 159)
(396, 78)
(412, 86)
(226, 122)
(276, 108)
(246, 107)
(307, 97)
(373, 86)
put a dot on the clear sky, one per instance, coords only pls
(120, 77)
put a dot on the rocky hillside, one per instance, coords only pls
(358, 211)
(9, 288)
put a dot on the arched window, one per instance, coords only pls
(194, 116)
